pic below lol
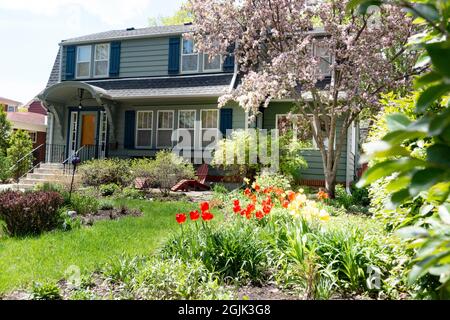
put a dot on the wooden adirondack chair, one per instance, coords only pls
(197, 185)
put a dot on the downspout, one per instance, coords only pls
(347, 173)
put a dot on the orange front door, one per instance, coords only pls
(88, 130)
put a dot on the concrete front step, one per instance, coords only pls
(47, 176)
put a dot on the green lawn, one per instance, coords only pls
(48, 256)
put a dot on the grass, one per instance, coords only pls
(47, 257)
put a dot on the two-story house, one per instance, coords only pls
(123, 93)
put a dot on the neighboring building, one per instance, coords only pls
(122, 93)
(9, 105)
(36, 125)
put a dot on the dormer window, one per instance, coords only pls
(215, 64)
(189, 58)
(101, 60)
(83, 61)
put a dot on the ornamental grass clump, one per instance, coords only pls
(30, 213)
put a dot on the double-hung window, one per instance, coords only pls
(213, 64)
(144, 127)
(186, 128)
(165, 128)
(322, 52)
(210, 125)
(189, 58)
(11, 109)
(101, 60)
(84, 61)
(33, 136)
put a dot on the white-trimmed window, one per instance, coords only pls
(323, 53)
(164, 128)
(209, 126)
(11, 109)
(144, 127)
(189, 58)
(215, 64)
(84, 61)
(101, 60)
(186, 128)
(33, 136)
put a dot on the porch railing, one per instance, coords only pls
(26, 163)
(85, 153)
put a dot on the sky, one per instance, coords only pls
(30, 31)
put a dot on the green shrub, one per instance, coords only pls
(45, 291)
(267, 180)
(5, 167)
(30, 213)
(131, 193)
(49, 186)
(20, 145)
(106, 205)
(109, 189)
(178, 279)
(99, 172)
(231, 251)
(84, 204)
(165, 170)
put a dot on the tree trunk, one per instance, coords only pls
(330, 186)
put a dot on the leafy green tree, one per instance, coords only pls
(180, 17)
(19, 153)
(426, 179)
(5, 131)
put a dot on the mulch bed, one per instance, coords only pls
(112, 214)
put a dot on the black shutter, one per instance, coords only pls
(226, 120)
(130, 129)
(114, 65)
(70, 62)
(174, 55)
(228, 63)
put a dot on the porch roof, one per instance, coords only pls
(213, 85)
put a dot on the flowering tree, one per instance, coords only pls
(276, 44)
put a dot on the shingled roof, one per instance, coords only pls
(130, 33)
(204, 85)
(54, 74)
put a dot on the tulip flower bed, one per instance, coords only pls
(286, 237)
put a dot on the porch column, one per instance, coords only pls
(111, 114)
(58, 117)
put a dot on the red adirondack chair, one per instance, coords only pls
(197, 185)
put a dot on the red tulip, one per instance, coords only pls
(250, 208)
(236, 209)
(267, 209)
(247, 192)
(181, 218)
(248, 214)
(285, 204)
(236, 203)
(259, 215)
(206, 215)
(244, 212)
(204, 206)
(194, 215)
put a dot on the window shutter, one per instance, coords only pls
(130, 129)
(226, 120)
(114, 65)
(70, 62)
(228, 63)
(174, 55)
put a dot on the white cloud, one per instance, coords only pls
(108, 11)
